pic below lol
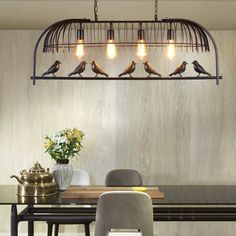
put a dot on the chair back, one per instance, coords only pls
(123, 177)
(80, 177)
(124, 210)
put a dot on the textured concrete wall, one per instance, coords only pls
(173, 132)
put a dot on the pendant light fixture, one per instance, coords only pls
(79, 35)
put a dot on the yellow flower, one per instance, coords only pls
(48, 144)
(74, 133)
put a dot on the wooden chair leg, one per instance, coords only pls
(86, 229)
(50, 225)
(56, 229)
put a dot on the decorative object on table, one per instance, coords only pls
(199, 69)
(181, 69)
(97, 70)
(79, 69)
(129, 70)
(36, 182)
(94, 192)
(62, 146)
(139, 189)
(53, 69)
(150, 70)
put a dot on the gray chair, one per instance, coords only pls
(123, 177)
(124, 210)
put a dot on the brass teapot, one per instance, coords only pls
(35, 182)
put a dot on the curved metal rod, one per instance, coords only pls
(216, 53)
(35, 51)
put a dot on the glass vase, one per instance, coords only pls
(62, 173)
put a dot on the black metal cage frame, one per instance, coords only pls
(189, 35)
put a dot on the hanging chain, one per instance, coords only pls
(96, 10)
(156, 10)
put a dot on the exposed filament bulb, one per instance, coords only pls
(111, 49)
(80, 49)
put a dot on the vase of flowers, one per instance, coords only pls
(62, 146)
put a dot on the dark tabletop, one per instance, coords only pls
(174, 195)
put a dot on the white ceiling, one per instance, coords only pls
(33, 14)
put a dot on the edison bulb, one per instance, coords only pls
(80, 49)
(141, 49)
(170, 49)
(111, 49)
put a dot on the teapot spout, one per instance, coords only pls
(17, 178)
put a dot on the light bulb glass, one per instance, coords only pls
(141, 49)
(80, 49)
(171, 49)
(111, 49)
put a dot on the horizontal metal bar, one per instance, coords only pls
(194, 217)
(58, 218)
(185, 210)
(126, 78)
(127, 44)
(157, 217)
(195, 210)
(64, 210)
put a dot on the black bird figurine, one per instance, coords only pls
(180, 69)
(79, 69)
(149, 69)
(53, 69)
(199, 69)
(129, 70)
(97, 70)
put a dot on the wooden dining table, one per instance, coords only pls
(170, 203)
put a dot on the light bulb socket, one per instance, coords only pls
(170, 34)
(141, 34)
(110, 34)
(80, 34)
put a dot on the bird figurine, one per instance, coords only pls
(79, 69)
(180, 69)
(97, 70)
(129, 70)
(149, 69)
(53, 69)
(199, 69)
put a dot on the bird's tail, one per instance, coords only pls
(69, 75)
(208, 73)
(105, 74)
(158, 74)
(121, 74)
(171, 74)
